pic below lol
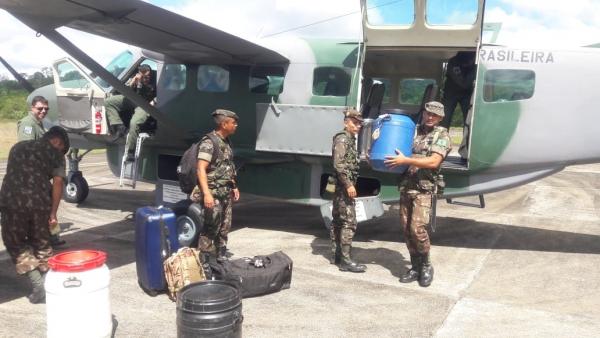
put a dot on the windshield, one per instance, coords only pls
(116, 67)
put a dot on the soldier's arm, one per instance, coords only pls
(339, 162)
(209, 201)
(57, 189)
(25, 132)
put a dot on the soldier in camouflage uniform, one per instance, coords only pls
(418, 185)
(29, 202)
(144, 84)
(31, 128)
(345, 164)
(217, 187)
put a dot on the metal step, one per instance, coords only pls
(129, 169)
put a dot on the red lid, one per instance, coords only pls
(75, 261)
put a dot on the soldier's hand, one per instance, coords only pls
(236, 194)
(209, 201)
(395, 161)
(351, 191)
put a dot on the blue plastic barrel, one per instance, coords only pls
(391, 132)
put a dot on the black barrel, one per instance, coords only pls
(209, 309)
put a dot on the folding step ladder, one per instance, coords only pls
(129, 169)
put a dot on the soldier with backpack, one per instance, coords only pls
(216, 188)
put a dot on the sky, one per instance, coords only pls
(531, 23)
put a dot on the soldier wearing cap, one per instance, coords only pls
(29, 199)
(345, 165)
(217, 187)
(418, 185)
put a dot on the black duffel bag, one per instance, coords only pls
(258, 275)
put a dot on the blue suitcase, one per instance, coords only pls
(155, 240)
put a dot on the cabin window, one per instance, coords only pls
(331, 81)
(174, 77)
(266, 80)
(213, 79)
(451, 12)
(502, 85)
(390, 13)
(410, 91)
(70, 77)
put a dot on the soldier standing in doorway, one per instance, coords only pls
(345, 164)
(418, 186)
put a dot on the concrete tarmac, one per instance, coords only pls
(525, 266)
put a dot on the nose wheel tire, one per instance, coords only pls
(76, 190)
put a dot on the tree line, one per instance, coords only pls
(13, 98)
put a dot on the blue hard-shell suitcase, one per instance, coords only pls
(155, 240)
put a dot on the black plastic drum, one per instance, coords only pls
(209, 309)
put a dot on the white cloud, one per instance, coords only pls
(544, 23)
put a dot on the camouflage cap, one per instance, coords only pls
(226, 113)
(352, 113)
(435, 107)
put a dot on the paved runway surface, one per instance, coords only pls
(525, 266)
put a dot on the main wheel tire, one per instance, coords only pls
(189, 225)
(76, 190)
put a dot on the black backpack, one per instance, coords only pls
(188, 165)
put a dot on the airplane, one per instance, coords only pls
(529, 117)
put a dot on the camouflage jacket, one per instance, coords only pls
(345, 159)
(29, 128)
(221, 171)
(30, 167)
(424, 144)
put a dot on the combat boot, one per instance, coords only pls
(347, 264)
(413, 273)
(38, 293)
(426, 273)
(221, 254)
(336, 253)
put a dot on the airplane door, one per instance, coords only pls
(76, 95)
(431, 23)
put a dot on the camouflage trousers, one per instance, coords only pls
(26, 238)
(343, 225)
(415, 210)
(217, 224)
(118, 107)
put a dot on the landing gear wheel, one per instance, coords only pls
(189, 225)
(76, 190)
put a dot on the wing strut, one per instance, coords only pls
(95, 67)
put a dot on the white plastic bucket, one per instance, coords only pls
(77, 295)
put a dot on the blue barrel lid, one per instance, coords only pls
(210, 296)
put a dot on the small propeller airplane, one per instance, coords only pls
(529, 115)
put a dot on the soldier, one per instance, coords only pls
(144, 84)
(418, 185)
(345, 164)
(31, 128)
(217, 184)
(458, 88)
(29, 202)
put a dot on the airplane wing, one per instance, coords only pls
(144, 25)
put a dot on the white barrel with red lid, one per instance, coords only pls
(77, 295)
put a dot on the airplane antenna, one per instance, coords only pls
(329, 19)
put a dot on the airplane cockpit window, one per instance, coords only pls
(173, 78)
(451, 12)
(331, 81)
(266, 80)
(120, 64)
(410, 91)
(69, 77)
(214, 79)
(390, 13)
(501, 85)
